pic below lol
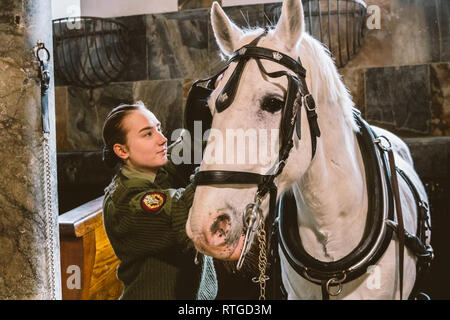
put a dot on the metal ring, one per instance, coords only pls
(337, 281)
(40, 46)
(380, 144)
(329, 282)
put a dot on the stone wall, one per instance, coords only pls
(29, 240)
(401, 77)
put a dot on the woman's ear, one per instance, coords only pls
(121, 151)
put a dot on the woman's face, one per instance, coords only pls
(146, 146)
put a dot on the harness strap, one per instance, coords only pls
(413, 243)
(398, 208)
(325, 294)
(417, 243)
(251, 51)
(209, 177)
(278, 290)
(422, 207)
(226, 97)
(310, 107)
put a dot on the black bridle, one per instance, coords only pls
(297, 95)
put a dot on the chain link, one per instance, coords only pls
(49, 219)
(262, 263)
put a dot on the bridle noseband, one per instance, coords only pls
(297, 95)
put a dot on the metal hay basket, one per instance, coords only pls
(89, 52)
(339, 24)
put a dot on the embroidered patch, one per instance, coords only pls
(153, 201)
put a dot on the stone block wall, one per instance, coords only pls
(401, 77)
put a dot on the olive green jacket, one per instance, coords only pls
(145, 218)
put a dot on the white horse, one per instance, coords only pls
(329, 189)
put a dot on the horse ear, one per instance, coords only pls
(226, 32)
(291, 24)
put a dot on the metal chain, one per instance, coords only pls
(262, 263)
(49, 219)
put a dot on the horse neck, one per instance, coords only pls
(331, 195)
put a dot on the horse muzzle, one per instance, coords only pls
(217, 238)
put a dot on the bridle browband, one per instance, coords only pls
(297, 94)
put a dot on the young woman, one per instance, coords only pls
(145, 212)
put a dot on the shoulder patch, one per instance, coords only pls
(153, 201)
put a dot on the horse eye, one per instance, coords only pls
(272, 104)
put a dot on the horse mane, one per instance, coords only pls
(326, 85)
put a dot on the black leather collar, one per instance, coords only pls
(376, 236)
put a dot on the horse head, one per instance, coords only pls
(249, 105)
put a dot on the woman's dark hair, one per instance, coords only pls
(113, 131)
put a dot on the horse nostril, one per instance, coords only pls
(221, 226)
